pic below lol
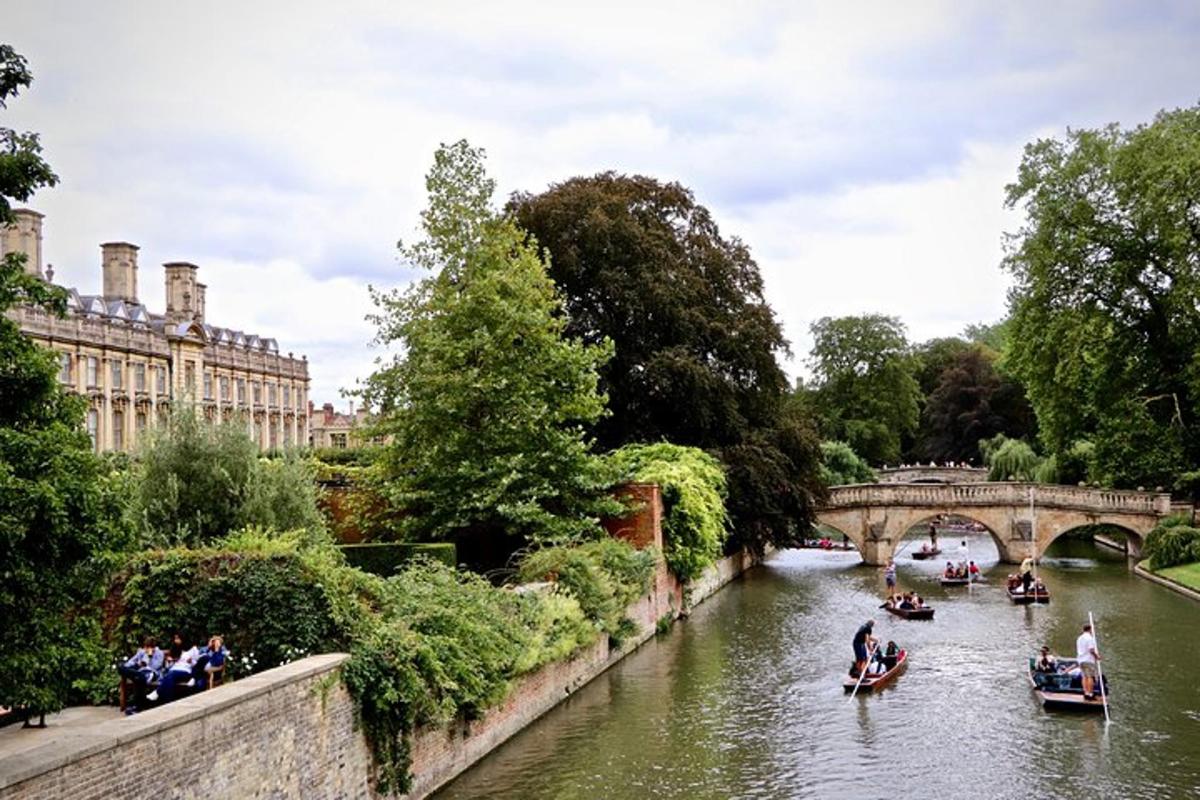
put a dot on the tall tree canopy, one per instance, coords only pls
(864, 384)
(488, 402)
(58, 510)
(1106, 306)
(642, 264)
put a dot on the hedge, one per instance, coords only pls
(385, 558)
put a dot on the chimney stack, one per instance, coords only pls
(118, 264)
(200, 295)
(24, 235)
(181, 291)
(327, 410)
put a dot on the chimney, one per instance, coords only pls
(118, 263)
(24, 235)
(327, 411)
(181, 291)
(200, 294)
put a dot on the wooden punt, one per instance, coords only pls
(921, 555)
(955, 581)
(1036, 596)
(873, 683)
(910, 613)
(1056, 692)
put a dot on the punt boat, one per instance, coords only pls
(921, 555)
(1063, 690)
(925, 612)
(1039, 594)
(872, 683)
(954, 581)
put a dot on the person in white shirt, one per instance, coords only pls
(1086, 655)
(184, 657)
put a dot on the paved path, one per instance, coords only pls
(60, 728)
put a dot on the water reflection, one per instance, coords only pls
(744, 699)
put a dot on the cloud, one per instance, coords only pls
(860, 150)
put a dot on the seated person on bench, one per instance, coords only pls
(143, 669)
(183, 659)
(210, 660)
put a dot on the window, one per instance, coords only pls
(241, 383)
(118, 430)
(274, 429)
(140, 421)
(287, 397)
(64, 367)
(257, 392)
(93, 427)
(93, 371)
(224, 388)
(139, 377)
(338, 440)
(208, 386)
(118, 370)
(160, 379)
(287, 435)
(189, 377)
(257, 432)
(271, 395)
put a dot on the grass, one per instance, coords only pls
(1186, 574)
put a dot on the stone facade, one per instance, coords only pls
(330, 428)
(132, 364)
(876, 516)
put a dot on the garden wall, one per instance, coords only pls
(289, 732)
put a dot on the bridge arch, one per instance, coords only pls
(1135, 531)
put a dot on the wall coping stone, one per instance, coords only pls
(65, 748)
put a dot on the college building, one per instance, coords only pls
(132, 364)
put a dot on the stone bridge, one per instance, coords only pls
(932, 474)
(876, 516)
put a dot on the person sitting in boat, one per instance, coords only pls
(906, 603)
(918, 601)
(891, 654)
(949, 573)
(925, 547)
(973, 570)
(1047, 662)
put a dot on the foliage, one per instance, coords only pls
(644, 265)
(934, 357)
(195, 481)
(970, 402)
(841, 466)
(385, 558)
(60, 510)
(1172, 542)
(344, 456)
(865, 389)
(1009, 459)
(693, 487)
(1106, 301)
(488, 402)
(604, 576)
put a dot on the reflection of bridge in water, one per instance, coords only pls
(876, 516)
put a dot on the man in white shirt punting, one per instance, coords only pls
(1086, 655)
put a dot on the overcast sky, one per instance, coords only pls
(860, 149)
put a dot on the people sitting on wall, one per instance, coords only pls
(143, 669)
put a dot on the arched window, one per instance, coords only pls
(93, 427)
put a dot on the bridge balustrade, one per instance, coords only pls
(994, 494)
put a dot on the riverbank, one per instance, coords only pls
(1184, 579)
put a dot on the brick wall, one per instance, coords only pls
(281, 733)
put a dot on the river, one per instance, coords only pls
(744, 699)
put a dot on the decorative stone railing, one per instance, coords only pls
(932, 474)
(1110, 501)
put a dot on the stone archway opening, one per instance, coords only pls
(1106, 536)
(983, 543)
(840, 539)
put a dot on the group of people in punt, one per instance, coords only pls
(1084, 667)
(909, 601)
(961, 570)
(869, 655)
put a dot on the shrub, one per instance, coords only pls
(1009, 459)
(385, 558)
(604, 576)
(1173, 541)
(695, 521)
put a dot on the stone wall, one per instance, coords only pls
(286, 732)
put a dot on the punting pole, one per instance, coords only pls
(1033, 545)
(1099, 670)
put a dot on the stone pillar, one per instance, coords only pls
(118, 267)
(24, 236)
(182, 295)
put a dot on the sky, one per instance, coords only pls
(861, 150)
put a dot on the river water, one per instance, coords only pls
(744, 699)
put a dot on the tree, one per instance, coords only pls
(864, 384)
(58, 512)
(841, 466)
(488, 402)
(1106, 302)
(644, 265)
(970, 402)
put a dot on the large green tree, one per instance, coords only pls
(644, 265)
(1106, 304)
(864, 384)
(58, 510)
(488, 401)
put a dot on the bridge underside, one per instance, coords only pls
(877, 530)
